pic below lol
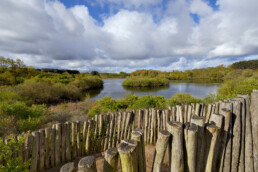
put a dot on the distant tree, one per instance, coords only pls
(250, 64)
(94, 73)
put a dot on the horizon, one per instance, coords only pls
(110, 36)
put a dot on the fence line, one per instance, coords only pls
(230, 126)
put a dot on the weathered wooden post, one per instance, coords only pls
(58, 143)
(254, 117)
(63, 132)
(191, 137)
(146, 123)
(249, 163)
(138, 135)
(84, 137)
(69, 167)
(207, 117)
(48, 144)
(140, 118)
(111, 130)
(110, 160)
(87, 164)
(68, 142)
(160, 151)
(189, 113)
(119, 120)
(73, 140)
(35, 150)
(78, 138)
(199, 121)
(197, 109)
(213, 132)
(41, 149)
(179, 114)
(237, 127)
(176, 154)
(128, 153)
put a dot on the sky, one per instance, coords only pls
(126, 35)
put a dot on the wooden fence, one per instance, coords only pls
(222, 136)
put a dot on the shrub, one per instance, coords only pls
(7, 152)
(145, 82)
(183, 98)
(29, 124)
(7, 125)
(89, 82)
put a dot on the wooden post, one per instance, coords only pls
(207, 117)
(73, 140)
(78, 138)
(158, 122)
(138, 135)
(119, 119)
(35, 151)
(191, 136)
(87, 164)
(173, 111)
(41, 149)
(110, 160)
(185, 114)
(167, 117)
(237, 127)
(52, 145)
(63, 143)
(58, 140)
(48, 144)
(28, 146)
(84, 137)
(154, 122)
(146, 122)
(213, 132)
(140, 118)
(179, 114)
(177, 156)
(111, 130)
(189, 113)
(149, 127)
(254, 117)
(68, 141)
(197, 109)
(124, 114)
(69, 167)
(160, 150)
(88, 146)
(249, 163)
(128, 153)
(115, 132)
(199, 121)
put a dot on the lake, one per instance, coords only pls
(114, 88)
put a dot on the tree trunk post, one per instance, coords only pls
(177, 156)
(138, 135)
(35, 151)
(160, 150)
(68, 142)
(87, 164)
(128, 153)
(41, 149)
(254, 117)
(69, 167)
(110, 160)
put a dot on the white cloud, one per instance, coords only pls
(47, 34)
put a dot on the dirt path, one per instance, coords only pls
(149, 153)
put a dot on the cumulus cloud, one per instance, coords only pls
(46, 33)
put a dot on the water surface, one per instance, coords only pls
(114, 88)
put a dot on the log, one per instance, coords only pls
(110, 160)
(73, 139)
(160, 150)
(84, 137)
(138, 135)
(128, 153)
(146, 123)
(69, 167)
(68, 156)
(78, 138)
(41, 149)
(199, 121)
(237, 130)
(58, 140)
(254, 117)
(176, 153)
(87, 164)
(119, 119)
(63, 143)
(249, 163)
(213, 132)
(35, 152)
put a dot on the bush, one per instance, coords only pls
(29, 124)
(145, 82)
(181, 99)
(7, 125)
(7, 152)
(21, 111)
(89, 82)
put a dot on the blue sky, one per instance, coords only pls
(126, 35)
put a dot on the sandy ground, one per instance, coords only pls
(149, 153)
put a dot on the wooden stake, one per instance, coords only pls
(69, 167)
(110, 160)
(177, 156)
(128, 153)
(254, 117)
(87, 164)
(68, 142)
(160, 150)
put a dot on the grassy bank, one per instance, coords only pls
(145, 82)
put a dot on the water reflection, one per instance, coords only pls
(114, 88)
